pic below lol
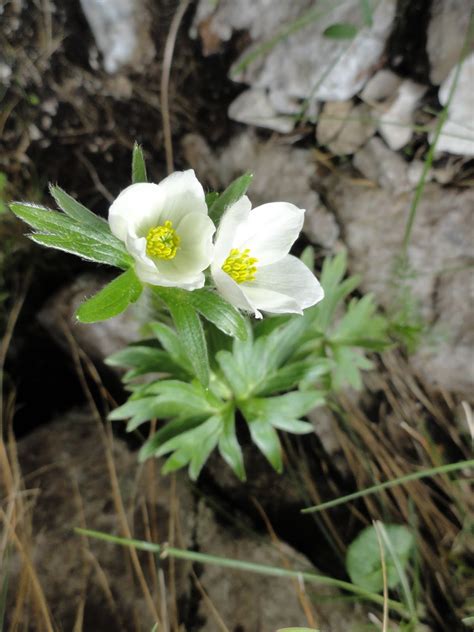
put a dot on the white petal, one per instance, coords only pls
(195, 252)
(144, 205)
(137, 204)
(286, 286)
(232, 218)
(270, 231)
(232, 291)
(147, 272)
(183, 194)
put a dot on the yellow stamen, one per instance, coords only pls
(162, 241)
(240, 266)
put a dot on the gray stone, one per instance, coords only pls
(446, 34)
(98, 340)
(440, 253)
(382, 86)
(281, 172)
(121, 31)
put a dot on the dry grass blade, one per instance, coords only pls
(165, 81)
(376, 524)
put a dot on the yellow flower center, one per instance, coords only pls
(162, 241)
(240, 266)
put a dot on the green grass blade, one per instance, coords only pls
(241, 565)
(442, 469)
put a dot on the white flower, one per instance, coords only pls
(166, 229)
(252, 268)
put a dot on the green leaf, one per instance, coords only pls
(288, 406)
(177, 426)
(146, 359)
(77, 211)
(229, 447)
(219, 312)
(113, 299)
(266, 439)
(363, 561)
(341, 31)
(193, 447)
(234, 192)
(138, 165)
(189, 328)
(237, 379)
(291, 375)
(170, 341)
(211, 197)
(85, 247)
(307, 257)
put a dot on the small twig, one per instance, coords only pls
(165, 80)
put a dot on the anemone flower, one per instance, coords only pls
(252, 268)
(167, 230)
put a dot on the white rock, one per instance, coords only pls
(304, 64)
(356, 130)
(381, 165)
(457, 136)
(381, 86)
(121, 32)
(396, 123)
(254, 107)
(446, 34)
(331, 120)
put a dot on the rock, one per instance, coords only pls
(457, 136)
(331, 120)
(396, 123)
(65, 463)
(445, 38)
(121, 31)
(355, 131)
(255, 602)
(439, 252)
(98, 340)
(380, 87)
(281, 172)
(304, 64)
(254, 107)
(381, 165)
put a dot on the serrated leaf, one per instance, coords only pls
(285, 379)
(363, 561)
(146, 359)
(219, 312)
(171, 429)
(138, 165)
(341, 31)
(229, 447)
(112, 300)
(78, 211)
(86, 248)
(189, 328)
(234, 192)
(266, 439)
